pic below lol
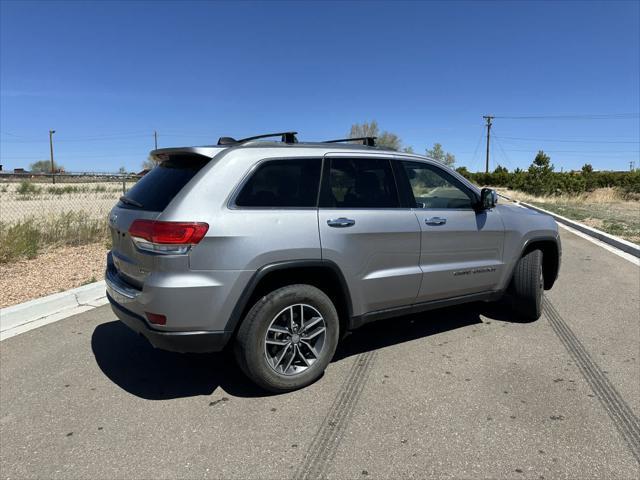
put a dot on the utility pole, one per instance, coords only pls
(155, 138)
(53, 171)
(488, 118)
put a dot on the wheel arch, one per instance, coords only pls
(550, 257)
(322, 274)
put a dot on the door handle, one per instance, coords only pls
(435, 221)
(340, 222)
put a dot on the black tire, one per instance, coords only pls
(250, 343)
(527, 285)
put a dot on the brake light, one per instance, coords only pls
(167, 237)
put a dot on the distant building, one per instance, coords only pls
(142, 173)
(19, 170)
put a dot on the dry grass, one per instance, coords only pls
(27, 237)
(600, 195)
(55, 270)
(605, 209)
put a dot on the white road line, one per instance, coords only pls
(620, 253)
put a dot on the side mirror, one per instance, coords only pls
(488, 199)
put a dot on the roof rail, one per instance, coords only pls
(285, 137)
(367, 141)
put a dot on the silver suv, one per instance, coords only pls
(280, 247)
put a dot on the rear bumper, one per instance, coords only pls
(183, 342)
(191, 300)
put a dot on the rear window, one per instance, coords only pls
(282, 183)
(157, 188)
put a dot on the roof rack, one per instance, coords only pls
(368, 141)
(285, 137)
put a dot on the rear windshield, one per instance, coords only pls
(156, 189)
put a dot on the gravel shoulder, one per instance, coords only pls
(53, 271)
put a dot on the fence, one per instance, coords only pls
(36, 212)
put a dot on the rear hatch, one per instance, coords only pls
(146, 201)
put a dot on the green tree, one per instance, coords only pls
(590, 182)
(540, 178)
(464, 172)
(44, 166)
(387, 140)
(500, 176)
(408, 149)
(587, 168)
(122, 170)
(437, 153)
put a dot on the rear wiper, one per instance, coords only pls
(130, 201)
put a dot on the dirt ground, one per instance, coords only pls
(53, 271)
(602, 209)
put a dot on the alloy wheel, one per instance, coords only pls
(295, 339)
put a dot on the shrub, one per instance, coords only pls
(27, 237)
(28, 188)
(542, 180)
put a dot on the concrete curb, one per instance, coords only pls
(42, 311)
(612, 240)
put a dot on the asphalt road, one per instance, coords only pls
(457, 393)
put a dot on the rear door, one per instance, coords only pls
(461, 250)
(364, 229)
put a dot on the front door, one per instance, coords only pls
(461, 249)
(364, 229)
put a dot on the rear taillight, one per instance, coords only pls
(167, 237)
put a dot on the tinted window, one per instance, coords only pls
(157, 188)
(282, 183)
(432, 187)
(361, 183)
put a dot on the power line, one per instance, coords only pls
(106, 137)
(587, 116)
(584, 152)
(568, 141)
(609, 152)
(475, 151)
(504, 154)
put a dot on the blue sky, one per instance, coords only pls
(105, 75)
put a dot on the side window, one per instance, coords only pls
(360, 183)
(432, 187)
(282, 183)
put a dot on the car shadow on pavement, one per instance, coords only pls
(129, 361)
